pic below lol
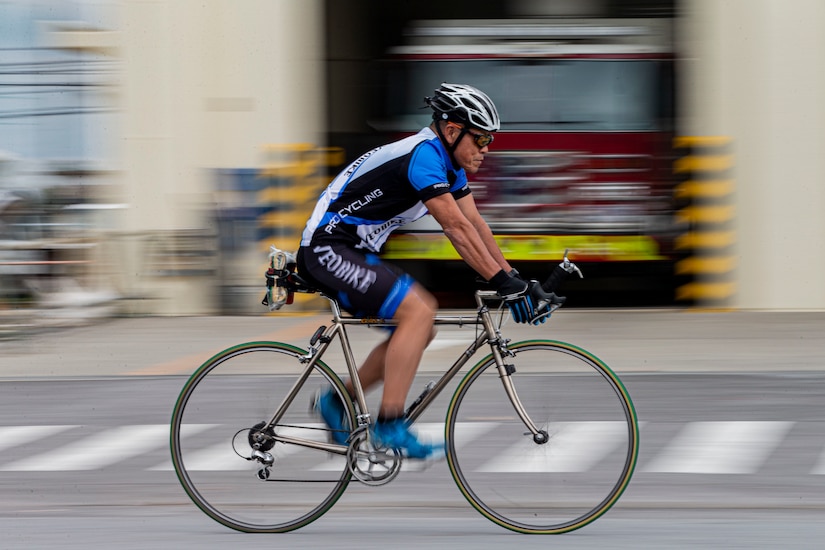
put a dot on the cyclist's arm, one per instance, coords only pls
(463, 234)
(468, 207)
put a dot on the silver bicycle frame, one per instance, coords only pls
(490, 335)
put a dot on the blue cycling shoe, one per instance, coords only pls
(396, 434)
(329, 407)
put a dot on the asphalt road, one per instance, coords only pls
(732, 456)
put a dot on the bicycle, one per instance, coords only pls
(550, 454)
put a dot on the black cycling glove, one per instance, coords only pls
(515, 292)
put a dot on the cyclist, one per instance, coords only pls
(380, 191)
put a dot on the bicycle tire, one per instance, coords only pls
(554, 487)
(218, 406)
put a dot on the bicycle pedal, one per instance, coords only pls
(381, 456)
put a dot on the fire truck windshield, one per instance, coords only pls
(601, 95)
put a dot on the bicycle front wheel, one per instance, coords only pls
(223, 406)
(534, 486)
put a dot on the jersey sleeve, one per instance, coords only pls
(427, 172)
(460, 187)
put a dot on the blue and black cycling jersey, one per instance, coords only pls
(383, 190)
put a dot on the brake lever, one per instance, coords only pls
(538, 319)
(569, 266)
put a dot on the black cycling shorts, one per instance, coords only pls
(362, 283)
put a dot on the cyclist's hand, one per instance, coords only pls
(545, 302)
(516, 294)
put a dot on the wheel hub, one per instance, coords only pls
(260, 439)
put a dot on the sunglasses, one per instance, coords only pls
(481, 140)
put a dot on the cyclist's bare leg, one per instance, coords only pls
(405, 348)
(371, 372)
(402, 351)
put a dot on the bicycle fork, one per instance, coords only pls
(540, 437)
(506, 371)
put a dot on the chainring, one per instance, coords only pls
(370, 465)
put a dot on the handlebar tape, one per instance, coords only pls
(556, 278)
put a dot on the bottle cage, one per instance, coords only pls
(282, 282)
(281, 265)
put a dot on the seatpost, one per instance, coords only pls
(336, 309)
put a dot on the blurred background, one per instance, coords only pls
(151, 151)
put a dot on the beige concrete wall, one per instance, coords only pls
(755, 70)
(205, 85)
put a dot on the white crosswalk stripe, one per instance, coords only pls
(222, 457)
(819, 469)
(720, 448)
(14, 436)
(218, 458)
(741, 447)
(204, 457)
(576, 447)
(96, 451)
(446, 343)
(431, 432)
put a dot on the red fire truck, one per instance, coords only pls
(583, 160)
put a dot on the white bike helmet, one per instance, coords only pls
(464, 104)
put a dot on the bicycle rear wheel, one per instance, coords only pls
(230, 397)
(552, 487)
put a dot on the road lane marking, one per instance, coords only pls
(719, 448)
(222, 457)
(573, 447)
(446, 343)
(14, 436)
(430, 432)
(819, 469)
(96, 451)
(698, 448)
